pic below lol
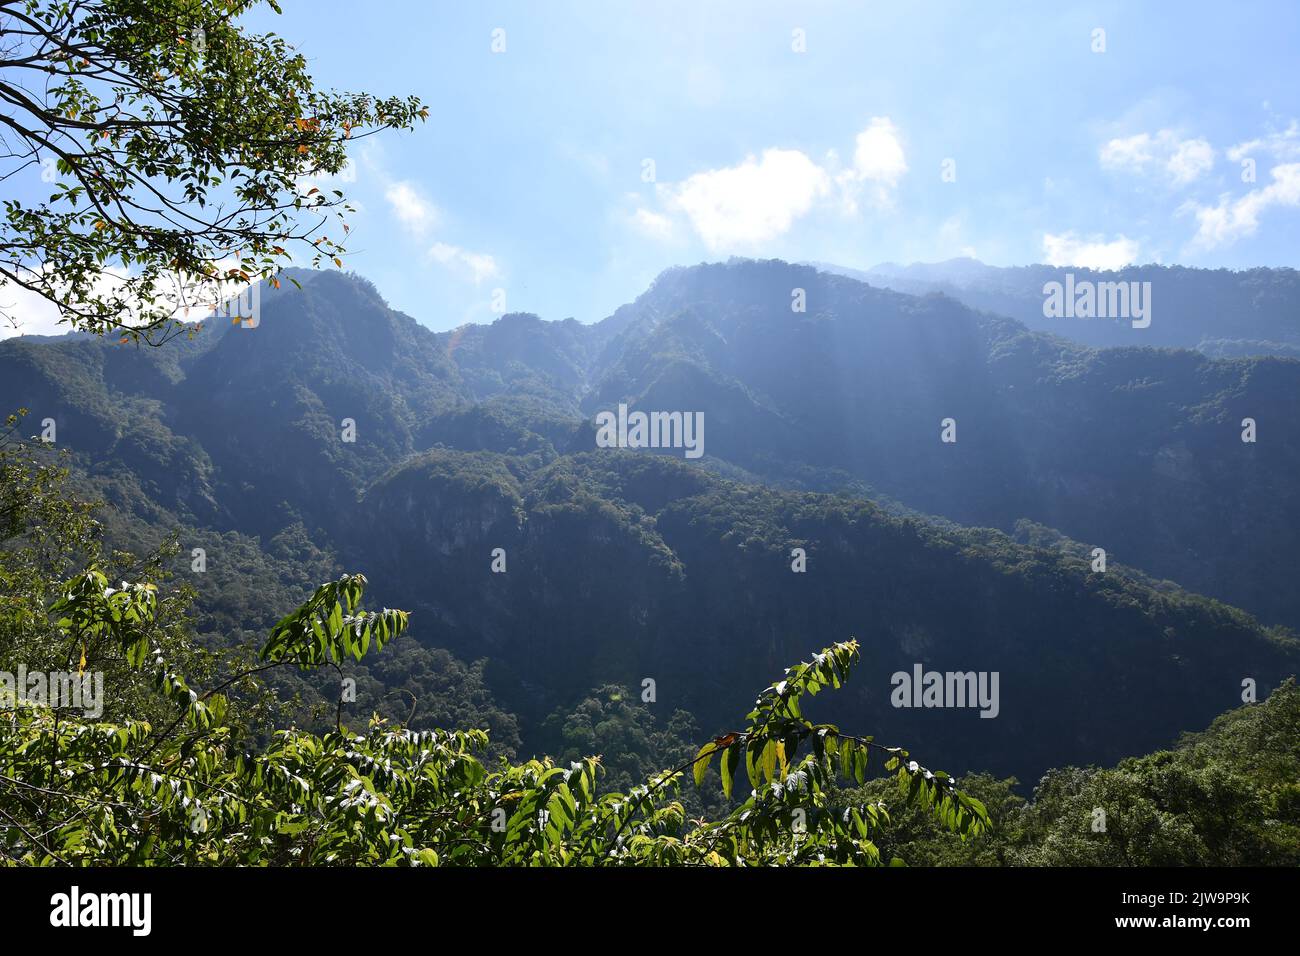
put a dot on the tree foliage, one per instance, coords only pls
(1227, 796)
(79, 792)
(178, 148)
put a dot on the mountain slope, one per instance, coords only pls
(625, 566)
(1138, 451)
(622, 567)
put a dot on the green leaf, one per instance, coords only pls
(769, 760)
(730, 758)
(702, 760)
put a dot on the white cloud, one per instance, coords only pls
(1283, 145)
(761, 197)
(752, 202)
(1131, 153)
(474, 265)
(420, 216)
(1191, 159)
(411, 209)
(1182, 161)
(878, 153)
(184, 297)
(878, 159)
(1067, 249)
(26, 313)
(1233, 219)
(652, 224)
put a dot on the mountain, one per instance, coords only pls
(624, 566)
(1223, 313)
(1138, 451)
(823, 433)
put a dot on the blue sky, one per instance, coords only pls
(531, 175)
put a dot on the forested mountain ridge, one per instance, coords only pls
(624, 566)
(686, 579)
(1135, 450)
(1220, 312)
